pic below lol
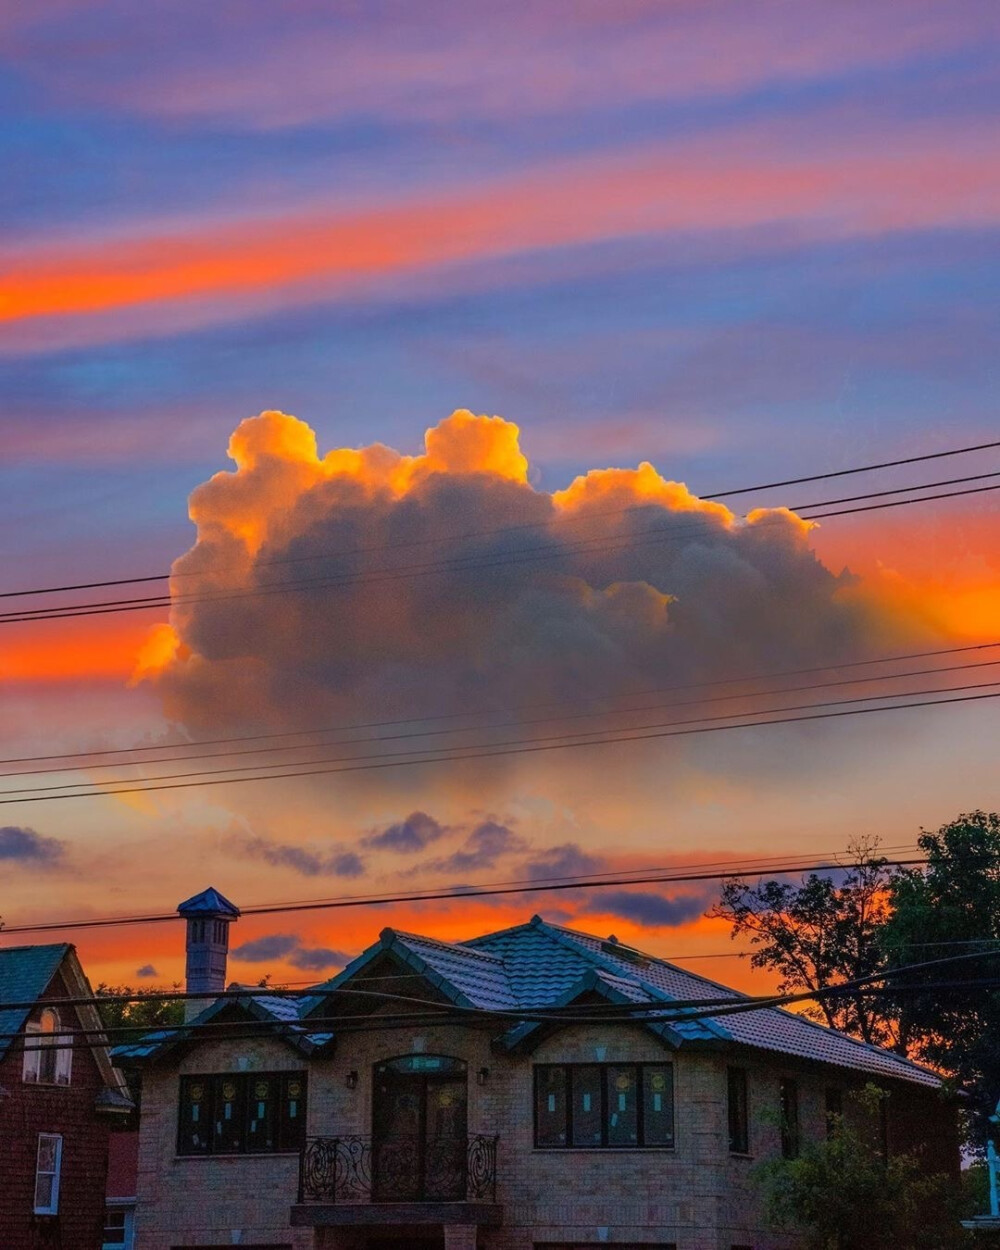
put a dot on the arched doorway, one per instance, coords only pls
(419, 1129)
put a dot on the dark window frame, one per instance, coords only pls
(738, 1109)
(287, 1137)
(640, 1101)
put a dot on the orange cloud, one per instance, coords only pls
(366, 585)
(74, 650)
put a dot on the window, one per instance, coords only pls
(47, 1059)
(834, 1108)
(604, 1105)
(114, 1229)
(48, 1166)
(119, 1226)
(789, 1100)
(739, 1113)
(241, 1113)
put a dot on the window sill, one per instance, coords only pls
(601, 1150)
(239, 1154)
(740, 1154)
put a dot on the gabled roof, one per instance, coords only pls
(465, 976)
(541, 955)
(256, 1008)
(25, 973)
(538, 965)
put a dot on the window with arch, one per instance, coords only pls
(48, 1058)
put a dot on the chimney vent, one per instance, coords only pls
(208, 915)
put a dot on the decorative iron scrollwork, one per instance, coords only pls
(356, 1169)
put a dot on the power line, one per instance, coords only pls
(596, 546)
(516, 746)
(496, 725)
(598, 881)
(734, 868)
(662, 1011)
(576, 1011)
(726, 494)
(434, 717)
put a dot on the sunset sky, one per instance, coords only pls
(709, 244)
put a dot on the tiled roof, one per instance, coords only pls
(208, 903)
(261, 1008)
(544, 965)
(539, 951)
(25, 972)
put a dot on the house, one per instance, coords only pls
(119, 1194)
(425, 1097)
(59, 1099)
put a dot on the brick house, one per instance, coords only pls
(58, 1104)
(338, 1120)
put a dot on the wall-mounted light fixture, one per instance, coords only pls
(351, 1080)
(482, 1076)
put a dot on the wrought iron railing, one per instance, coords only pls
(356, 1169)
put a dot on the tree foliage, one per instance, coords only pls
(122, 1007)
(871, 917)
(951, 907)
(820, 932)
(842, 1194)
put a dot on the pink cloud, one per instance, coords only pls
(744, 181)
(521, 60)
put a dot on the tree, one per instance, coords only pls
(125, 1008)
(879, 918)
(949, 907)
(121, 1007)
(820, 932)
(842, 1194)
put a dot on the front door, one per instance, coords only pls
(419, 1129)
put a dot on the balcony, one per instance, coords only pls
(398, 1180)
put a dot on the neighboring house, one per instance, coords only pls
(119, 1206)
(58, 1101)
(345, 1128)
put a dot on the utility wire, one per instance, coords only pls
(594, 1011)
(558, 551)
(435, 717)
(513, 746)
(599, 881)
(734, 868)
(496, 725)
(726, 494)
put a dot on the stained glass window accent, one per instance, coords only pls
(241, 1113)
(604, 1106)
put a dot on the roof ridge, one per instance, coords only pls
(740, 995)
(35, 946)
(461, 947)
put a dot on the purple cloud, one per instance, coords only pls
(653, 911)
(412, 834)
(25, 846)
(336, 863)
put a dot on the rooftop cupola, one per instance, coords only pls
(208, 915)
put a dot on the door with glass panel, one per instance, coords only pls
(419, 1129)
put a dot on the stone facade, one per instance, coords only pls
(695, 1196)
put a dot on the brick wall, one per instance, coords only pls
(696, 1195)
(28, 1110)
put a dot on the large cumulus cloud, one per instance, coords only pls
(396, 586)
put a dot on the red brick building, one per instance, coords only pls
(58, 1102)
